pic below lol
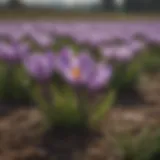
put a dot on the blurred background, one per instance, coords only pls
(85, 5)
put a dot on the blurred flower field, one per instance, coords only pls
(87, 90)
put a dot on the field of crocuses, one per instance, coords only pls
(74, 90)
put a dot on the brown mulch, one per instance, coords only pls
(22, 137)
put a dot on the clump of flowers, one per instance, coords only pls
(127, 61)
(73, 85)
(79, 99)
(13, 86)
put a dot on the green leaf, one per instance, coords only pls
(148, 144)
(22, 77)
(152, 63)
(119, 77)
(133, 70)
(47, 108)
(65, 112)
(104, 106)
(83, 105)
(141, 147)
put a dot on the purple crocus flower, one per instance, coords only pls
(76, 69)
(6, 52)
(21, 50)
(154, 38)
(108, 52)
(42, 39)
(40, 66)
(64, 57)
(13, 53)
(16, 35)
(101, 77)
(136, 46)
(124, 53)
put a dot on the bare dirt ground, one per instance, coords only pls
(22, 138)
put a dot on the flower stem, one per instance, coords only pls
(49, 103)
(82, 105)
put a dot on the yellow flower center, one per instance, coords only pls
(76, 73)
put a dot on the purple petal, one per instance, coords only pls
(87, 66)
(51, 58)
(108, 52)
(72, 72)
(124, 53)
(22, 50)
(39, 66)
(137, 46)
(101, 77)
(7, 52)
(64, 58)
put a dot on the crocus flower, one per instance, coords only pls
(21, 50)
(108, 52)
(101, 77)
(95, 39)
(76, 69)
(16, 35)
(124, 54)
(42, 39)
(40, 66)
(13, 53)
(63, 59)
(6, 52)
(136, 46)
(154, 38)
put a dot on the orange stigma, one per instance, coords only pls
(76, 73)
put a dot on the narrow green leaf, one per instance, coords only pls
(46, 108)
(104, 106)
(65, 106)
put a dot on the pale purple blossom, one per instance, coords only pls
(40, 66)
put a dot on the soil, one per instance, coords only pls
(22, 136)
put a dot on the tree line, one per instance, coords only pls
(133, 5)
(109, 5)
